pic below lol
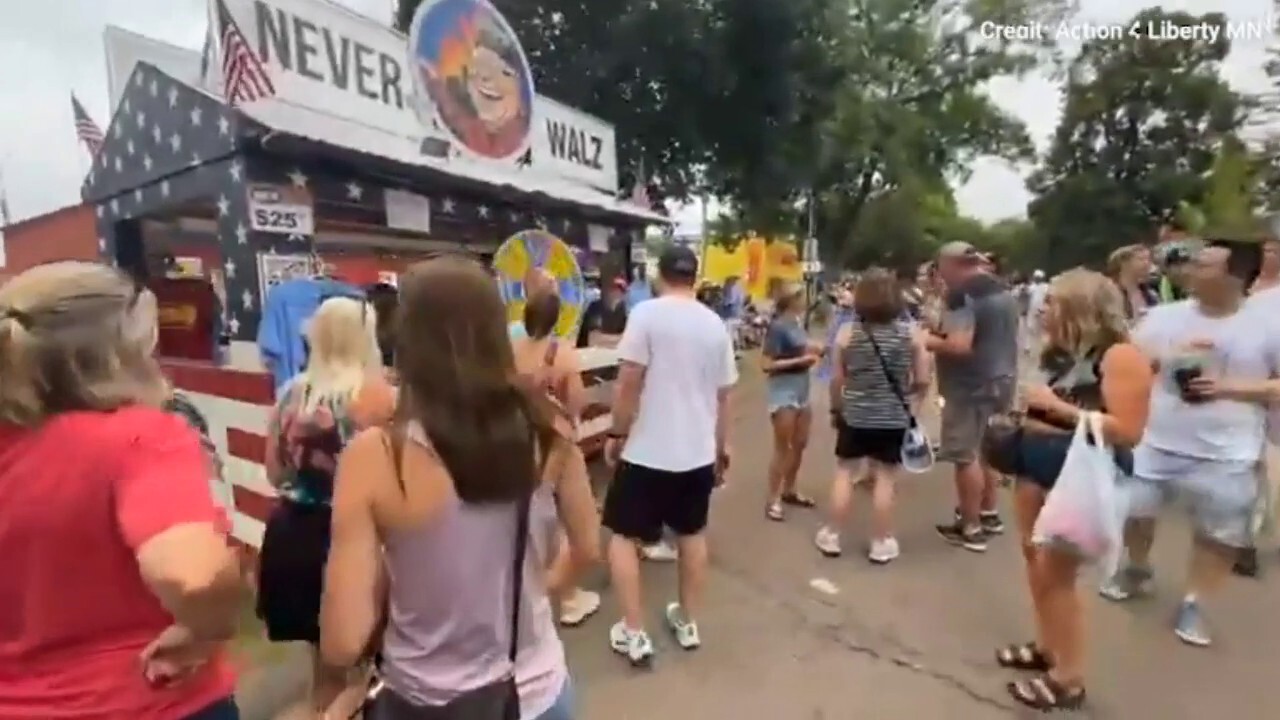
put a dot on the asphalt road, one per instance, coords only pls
(912, 639)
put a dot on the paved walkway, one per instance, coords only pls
(913, 639)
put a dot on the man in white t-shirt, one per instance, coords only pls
(1265, 306)
(1205, 431)
(669, 426)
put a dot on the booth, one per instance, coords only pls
(347, 149)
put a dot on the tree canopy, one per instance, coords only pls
(1143, 121)
(862, 114)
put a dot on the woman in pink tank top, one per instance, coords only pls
(441, 523)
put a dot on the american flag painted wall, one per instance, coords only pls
(237, 402)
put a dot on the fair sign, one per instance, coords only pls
(464, 79)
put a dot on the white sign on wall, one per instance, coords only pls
(281, 209)
(274, 269)
(576, 145)
(328, 59)
(407, 211)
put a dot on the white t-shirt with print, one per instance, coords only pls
(688, 359)
(1225, 430)
(1266, 307)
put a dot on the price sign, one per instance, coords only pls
(280, 209)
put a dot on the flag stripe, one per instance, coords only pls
(237, 403)
(244, 78)
(87, 130)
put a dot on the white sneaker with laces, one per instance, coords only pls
(634, 644)
(575, 609)
(884, 551)
(685, 630)
(661, 551)
(828, 541)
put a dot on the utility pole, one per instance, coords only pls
(809, 261)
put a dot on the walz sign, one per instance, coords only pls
(461, 75)
(577, 145)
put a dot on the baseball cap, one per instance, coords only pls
(957, 249)
(678, 262)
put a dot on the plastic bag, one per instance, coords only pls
(1082, 514)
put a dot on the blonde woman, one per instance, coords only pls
(114, 551)
(1088, 365)
(341, 391)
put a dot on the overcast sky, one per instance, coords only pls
(51, 48)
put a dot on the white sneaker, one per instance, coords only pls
(579, 606)
(884, 551)
(686, 630)
(661, 551)
(635, 644)
(828, 541)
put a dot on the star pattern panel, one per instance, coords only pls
(161, 127)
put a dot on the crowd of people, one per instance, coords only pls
(436, 512)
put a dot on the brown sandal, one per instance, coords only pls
(1027, 656)
(1044, 693)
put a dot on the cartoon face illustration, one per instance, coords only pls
(471, 66)
(493, 82)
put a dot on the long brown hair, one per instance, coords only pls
(458, 380)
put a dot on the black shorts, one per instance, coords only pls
(641, 501)
(880, 444)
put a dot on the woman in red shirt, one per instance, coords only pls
(119, 586)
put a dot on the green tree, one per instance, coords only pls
(1142, 123)
(914, 108)
(1229, 199)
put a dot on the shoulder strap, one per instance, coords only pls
(549, 357)
(517, 590)
(893, 383)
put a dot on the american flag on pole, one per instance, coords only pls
(640, 190)
(244, 78)
(86, 129)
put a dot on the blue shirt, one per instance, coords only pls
(735, 302)
(287, 308)
(517, 330)
(637, 293)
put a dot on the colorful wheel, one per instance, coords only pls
(530, 250)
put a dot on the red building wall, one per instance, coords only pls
(66, 234)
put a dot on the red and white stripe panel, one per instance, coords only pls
(237, 402)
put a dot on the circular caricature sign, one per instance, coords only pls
(467, 61)
(538, 251)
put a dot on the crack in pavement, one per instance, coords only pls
(838, 634)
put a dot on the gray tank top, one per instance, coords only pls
(449, 616)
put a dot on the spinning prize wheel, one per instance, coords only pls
(532, 250)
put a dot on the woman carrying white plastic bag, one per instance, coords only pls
(1081, 516)
(1093, 383)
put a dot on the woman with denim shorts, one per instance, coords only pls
(1088, 365)
(788, 358)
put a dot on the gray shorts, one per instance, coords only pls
(965, 416)
(1220, 495)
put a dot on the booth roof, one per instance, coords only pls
(338, 132)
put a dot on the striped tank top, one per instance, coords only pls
(869, 400)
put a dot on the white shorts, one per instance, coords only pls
(1221, 495)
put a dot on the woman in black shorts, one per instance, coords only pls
(877, 366)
